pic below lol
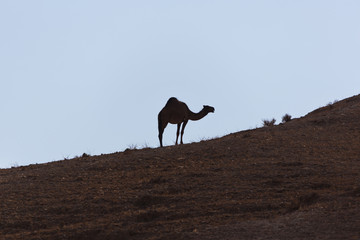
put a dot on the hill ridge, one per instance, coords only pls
(291, 181)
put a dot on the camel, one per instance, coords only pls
(177, 112)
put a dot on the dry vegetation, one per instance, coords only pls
(269, 123)
(298, 180)
(286, 118)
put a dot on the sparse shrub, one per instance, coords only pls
(85, 155)
(269, 123)
(286, 118)
(145, 146)
(15, 165)
(132, 147)
(331, 104)
(204, 139)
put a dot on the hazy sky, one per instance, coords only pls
(91, 76)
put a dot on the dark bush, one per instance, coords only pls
(269, 123)
(286, 118)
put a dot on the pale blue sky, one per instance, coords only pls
(91, 76)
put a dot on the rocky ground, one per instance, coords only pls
(298, 180)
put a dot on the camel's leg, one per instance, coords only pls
(182, 131)
(160, 139)
(161, 131)
(177, 133)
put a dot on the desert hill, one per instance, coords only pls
(298, 180)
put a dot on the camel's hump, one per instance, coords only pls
(172, 100)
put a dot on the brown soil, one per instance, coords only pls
(298, 180)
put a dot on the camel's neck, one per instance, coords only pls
(197, 116)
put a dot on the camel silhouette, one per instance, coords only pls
(176, 112)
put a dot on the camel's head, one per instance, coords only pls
(209, 109)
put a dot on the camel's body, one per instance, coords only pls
(176, 112)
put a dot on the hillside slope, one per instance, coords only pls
(298, 180)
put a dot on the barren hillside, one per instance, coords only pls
(298, 180)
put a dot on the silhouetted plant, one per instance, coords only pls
(331, 104)
(85, 155)
(131, 147)
(15, 165)
(145, 146)
(269, 123)
(286, 118)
